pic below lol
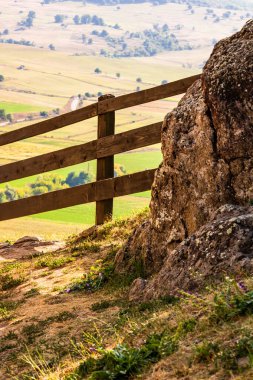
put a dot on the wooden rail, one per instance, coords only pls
(103, 150)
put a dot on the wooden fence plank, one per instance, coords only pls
(145, 96)
(105, 146)
(91, 192)
(105, 166)
(134, 139)
(49, 125)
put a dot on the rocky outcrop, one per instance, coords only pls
(224, 246)
(207, 146)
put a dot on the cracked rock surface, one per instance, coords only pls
(207, 146)
(223, 246)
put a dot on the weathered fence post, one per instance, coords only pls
(105, 166)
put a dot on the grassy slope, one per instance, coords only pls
(48, 333)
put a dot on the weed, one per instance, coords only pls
(123, 361)
(9, 267)
(62, 316)
(10, 282)
(226, 357)
(6, 309)
(206, 352)
(31, 293)
(36, 329)
(81, 248)
(53, 262)
(102, 305)
(10, 336)
(98, 275)
(32, 331)
(230, 304)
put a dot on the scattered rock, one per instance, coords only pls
(137, 288)
(28, 239)
(28, 246)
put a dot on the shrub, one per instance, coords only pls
(97, 71)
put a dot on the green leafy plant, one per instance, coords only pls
(9, 282)
(98, 275)
(206, 352)
(231, 303)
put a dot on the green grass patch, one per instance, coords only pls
(9, 282)
(123, 362)
(6, 309)
(53, 262)
(10, 107)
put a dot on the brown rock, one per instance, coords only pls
(207, 146)
(224, 246)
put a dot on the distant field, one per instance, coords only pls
(63, 76)
(17, 107)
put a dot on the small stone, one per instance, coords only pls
(27, 239)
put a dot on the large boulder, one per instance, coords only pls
(207, 146)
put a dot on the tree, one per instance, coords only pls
(74, 179)
(83, 38)
(118, 75)
(9, 117)
(28, 22)
(76, 19)
(85, 19)
(32, 14)
(164, 81)
(1, 78)
(98, 71)
(51, 47)
(43, 114)
(139, 80)
(2, 114)
(59, 18)
(165, 28)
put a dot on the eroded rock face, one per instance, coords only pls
(207, 146)
(224, 246)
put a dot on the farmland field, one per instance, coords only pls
(74, 219)
(40, 78)
(18, 107)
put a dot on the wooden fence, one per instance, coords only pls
(103, 150)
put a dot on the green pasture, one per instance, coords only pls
(10, 107)
(85, 214)
(133, 162)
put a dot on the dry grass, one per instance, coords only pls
(46, 333)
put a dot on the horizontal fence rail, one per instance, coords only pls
(103, 149)
(124, 101)
(90, 192)
(49, 125)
